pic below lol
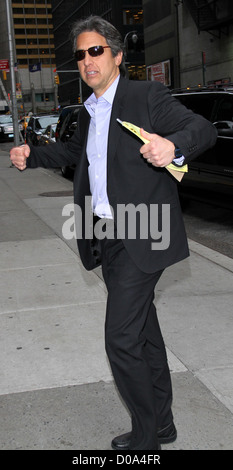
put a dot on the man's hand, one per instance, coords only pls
(159, 151)
(18, 156)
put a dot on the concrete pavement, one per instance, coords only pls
(56, 388)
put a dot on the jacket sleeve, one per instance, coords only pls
(190, 132)
(58, 154)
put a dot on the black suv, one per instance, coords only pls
(66, 126)
(211, 172)
(37, 125)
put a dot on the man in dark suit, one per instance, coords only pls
(125, 179)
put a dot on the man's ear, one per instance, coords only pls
(118, 58)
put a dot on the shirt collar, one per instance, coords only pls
(110, 92)
(107, 96)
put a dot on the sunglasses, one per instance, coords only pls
(94, 51)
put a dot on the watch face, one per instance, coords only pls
(178, 153)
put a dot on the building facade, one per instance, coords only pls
(161, 41)
(34, 54)
(206, 42)
(189, 43)
(182, 43)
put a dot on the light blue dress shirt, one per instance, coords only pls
(100, 111)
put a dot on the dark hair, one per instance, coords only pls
(105, 29)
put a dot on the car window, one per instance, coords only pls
(200, 104)
(224, 111)
(65, 121)
(5, 119)
(53, 130)
(63, 116)
(43, 122)
(38, 125)
(74, 115)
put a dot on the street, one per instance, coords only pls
(206, 223)
(210, 225)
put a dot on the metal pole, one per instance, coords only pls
(33, 98)
(12, 73)
(177, 71)
(203, 66)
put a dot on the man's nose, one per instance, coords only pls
(87, 59)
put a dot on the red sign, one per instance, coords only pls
(4, 64)
(160, 72)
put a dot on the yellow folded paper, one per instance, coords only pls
(177, 172)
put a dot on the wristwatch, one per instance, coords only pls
(179, 157)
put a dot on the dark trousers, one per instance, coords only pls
(134, 344)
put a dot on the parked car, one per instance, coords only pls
(211, 172)
(6, 127)
(48, 136)
(37, 125)
(65, 128)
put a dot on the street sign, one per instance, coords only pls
(4, 64)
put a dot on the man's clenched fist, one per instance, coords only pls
(18, 156)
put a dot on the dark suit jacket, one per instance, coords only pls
(130, 179)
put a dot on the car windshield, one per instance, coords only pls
(5, 119)
(46, 120)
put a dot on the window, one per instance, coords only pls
(5, 119)
(27, 98)
(41, 97)
(18, 21)
(132, 16)
(156, 11)
(225, 109)
(200, 104)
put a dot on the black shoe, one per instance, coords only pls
(165, 436)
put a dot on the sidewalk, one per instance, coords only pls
(56, 388)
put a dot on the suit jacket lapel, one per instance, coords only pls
(84, 121)
(114, 127)
(81, 176)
